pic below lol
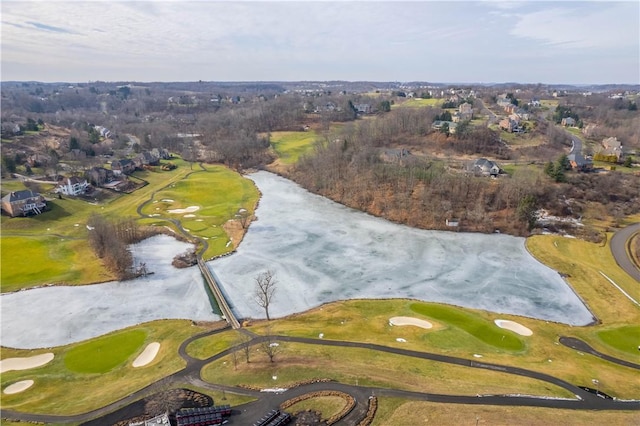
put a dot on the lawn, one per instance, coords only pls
(290, 146)
(33, 260)
(104, 353)
(367, 321)
(396, 411)
(296, 362)
(475, 325)
(60, 390)
(52, 247)
(215, 195)
(418, 103)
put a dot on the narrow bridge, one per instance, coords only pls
(215, 289)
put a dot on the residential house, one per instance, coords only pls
(145, 158)
(363, 108)
(99, 176)
(23, 203)
(123, 166)
(438, 124)
(465, 111)
(485, 167)
(73, 186)
(579, 162)
(568, 122)
(612, 146)
(509, 124)
(161, 153)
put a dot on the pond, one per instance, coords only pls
(58, 315)
(321, 251)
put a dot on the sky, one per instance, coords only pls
(573, 42)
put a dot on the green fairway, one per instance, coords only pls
(52, 248)
(478, 327)
(203, 202)
(34, 260)
(290, 146)
(626, 339)
(105, 353)
(59, 390)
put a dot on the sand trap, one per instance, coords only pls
(18, 387)
(11, 364)
(514, 326)
(189, 215)
(147, 355)
(410, 321)
(189, 209)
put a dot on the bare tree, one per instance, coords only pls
(264, 290)
(269, 345)
(246, 346)
(244, 217)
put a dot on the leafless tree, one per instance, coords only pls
(245, 341)
(244, 217)
(270, 346)
(264, 290)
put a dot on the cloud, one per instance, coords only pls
(582, 26)
(51, 28)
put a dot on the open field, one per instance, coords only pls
(33, 260)
(103, 354)
(298, 362)
(59, 390)
(54, 243)
(366, 321)
(290, 146)
(395, 411)
(215, 194)
(418, 103)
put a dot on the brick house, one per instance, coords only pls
(23, 203)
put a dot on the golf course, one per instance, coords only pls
(469, 363)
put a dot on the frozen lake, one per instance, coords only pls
(54, 316)
(322, 251)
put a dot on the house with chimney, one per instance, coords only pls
(23, 203)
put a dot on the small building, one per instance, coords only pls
(452, 223)
(23, 203)
(568, 122)
(579, 162)
(485, 167)
(73, 186)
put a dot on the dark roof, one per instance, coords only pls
(20, 195)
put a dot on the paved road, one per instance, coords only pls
(581, 346)
(619, 250)
(251, 412)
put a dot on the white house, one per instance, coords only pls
(73, 186)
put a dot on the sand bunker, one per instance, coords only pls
(147, 355)
(189, 209)
(514, 326)
(18, 387)
(189, 215)
(410, 321)
(11, 364)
